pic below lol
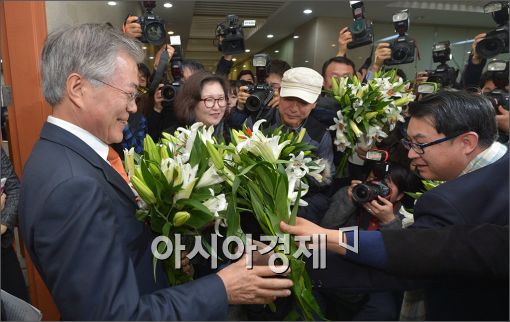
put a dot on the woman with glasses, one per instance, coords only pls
(203, 98)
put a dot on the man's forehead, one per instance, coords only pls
(421, 127)
(340, 69)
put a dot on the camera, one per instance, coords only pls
(498, 97)
(153, 28)
(402, 48)
(427, 88)
(496, 41)
(230, 35)
(443, 75)
(261, 93)
(369, 190)
(361, 28)
(169, 91)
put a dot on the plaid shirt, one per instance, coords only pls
(486, 157)
(134, 133)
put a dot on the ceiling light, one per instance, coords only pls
(270, 36)
(170, 32)
(112, 3)
(306, 61)
(333, 45)
(244, 66)
(307, 11)
(296, 36)
(234, 59)
(277, 51)
(247, 50)
(168, 5)
(151, 57)
(144, 47)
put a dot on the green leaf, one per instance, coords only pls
(195, 205)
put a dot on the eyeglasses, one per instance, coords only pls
(131, 96)
(209, 102)
(418, 147)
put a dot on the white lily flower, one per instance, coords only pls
(207, 134)
(297, 166)
(318, 171)
(209, 178)
(168, 169)
(269, 149)
(216, 204)
(375, 134)
(188, 181)
(294, 189)
(129, 161)
(393, 115)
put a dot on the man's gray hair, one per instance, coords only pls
(87, 49)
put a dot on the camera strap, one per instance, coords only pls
(163, 61)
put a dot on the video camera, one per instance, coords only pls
(230, 36)
(361, 28)
(369, 190)
(169, 91)
(261, 93)
(402, 48)
(496, 41)
(153, 28)
(443, 75)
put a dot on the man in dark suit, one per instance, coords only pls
(77, 214)
(451, 137)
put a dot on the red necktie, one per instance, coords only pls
(116, 163)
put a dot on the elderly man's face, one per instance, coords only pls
(106, 109)
(294, 111)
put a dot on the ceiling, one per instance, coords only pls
(196, 21)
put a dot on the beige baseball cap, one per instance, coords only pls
(302, 82)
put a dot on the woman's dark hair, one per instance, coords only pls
(458, 112)
(406, 181)
(142, 68)
(245, 72)
(191, 93)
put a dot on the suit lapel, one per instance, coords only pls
(60, 136)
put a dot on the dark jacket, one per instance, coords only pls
(11, 189)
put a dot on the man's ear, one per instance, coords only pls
(469, 142)
(314, 105)
(75, 88)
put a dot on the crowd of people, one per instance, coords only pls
(77, 214)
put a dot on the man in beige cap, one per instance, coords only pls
(300, 89)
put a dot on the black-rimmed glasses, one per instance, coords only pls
(418, 147)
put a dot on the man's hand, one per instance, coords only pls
(169, 49)
(362, 152)
(476, 59)
(502, 119)
(132, 28)
(258, 285)
(421, 77)
(242, 96)
(382, 52)
(382, 209)
(2, 201)
(275, 101)
(3, 229)
(344, 38)
(307, 228)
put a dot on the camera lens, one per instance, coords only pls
(168, 92)
(254, 101)
(358, 27)
(155, 33)
(361, 193)
(490, 47)
(400, 53)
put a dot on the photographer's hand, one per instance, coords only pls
(475, 59)
(349, 190)
(382, 52)
(344, 38)
(132, 28)
(382, 209)
(169, 49)
(242, 96)
(502, 119)
(158, 100)
(275, 101)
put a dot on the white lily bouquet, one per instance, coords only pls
(368, 112)
(179, 187)
(269, 181)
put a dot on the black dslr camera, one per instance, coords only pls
(361, 28)
(444, 75)
(402, 48)
(498, 96)
(261, 93)
(153, 28)
(230, 36)
(169, 91)
(496, 41)
(369, 190)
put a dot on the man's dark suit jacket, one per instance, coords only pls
(475, 198)
(77, 217)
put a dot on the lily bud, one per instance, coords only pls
(215, 156)
(181, 217)
(145, 193)
(355, 128)
(129, 161)
(301, 135)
